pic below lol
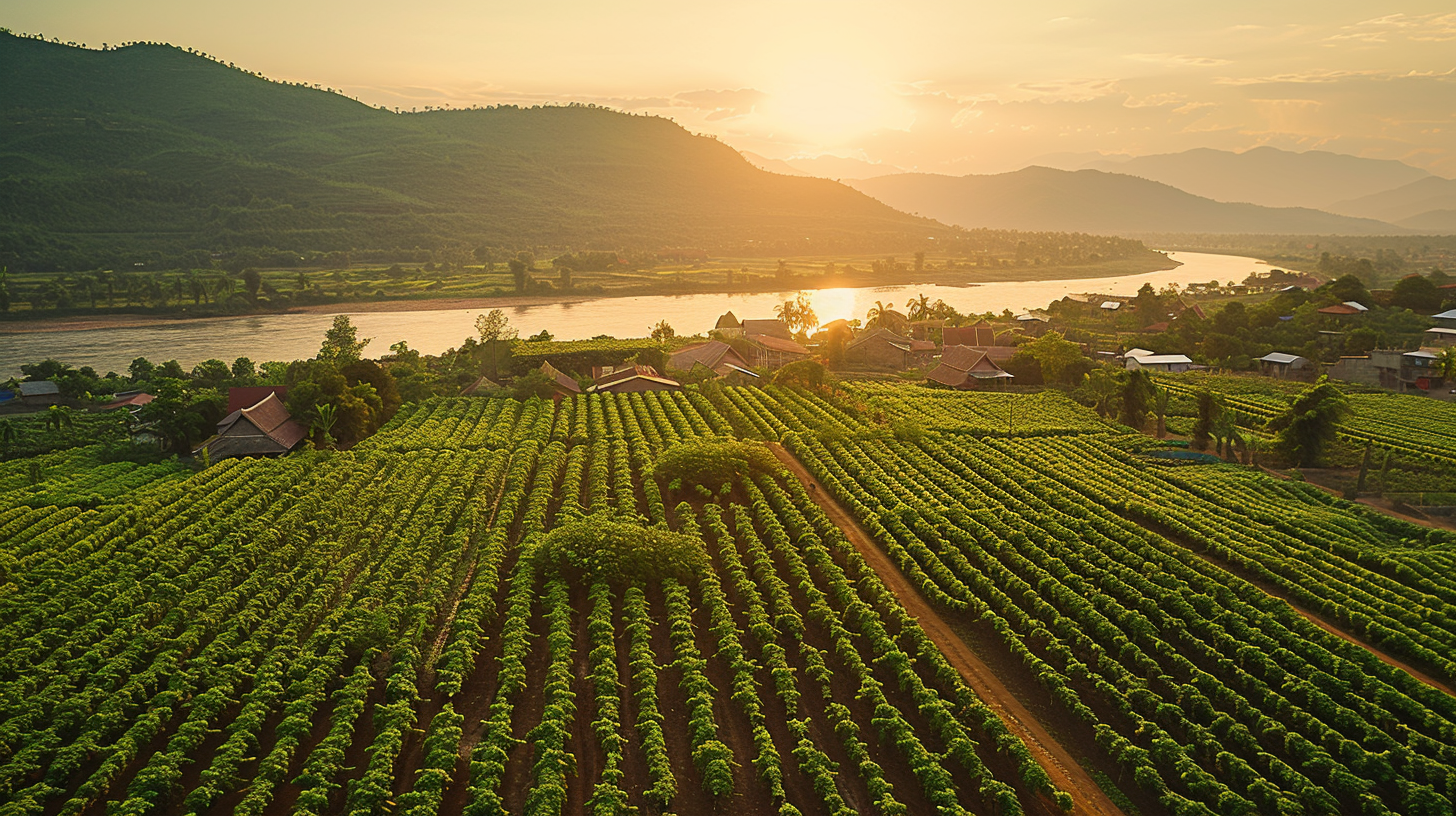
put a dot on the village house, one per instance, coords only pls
(562, 385)
(263, 429)
(625, 379)
(249, 395)
(714, 355)
(882, 348)
(40, 393)
(1439, 337)
(131, 401)
(977, 336)
(728, 325)
(1284, 366)
(1164, 363)
(966, 368)
(769, 351)
(1344, 311)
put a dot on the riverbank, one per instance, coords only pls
(960, 278)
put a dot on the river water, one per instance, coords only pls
(297, 336)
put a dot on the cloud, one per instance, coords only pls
(1067, 90)
(1434, 27)
(1325, 76)
(1179, 60)
(721, 104)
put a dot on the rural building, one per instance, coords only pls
(622, 379)
(480, 386)
(1404, 371)
(1111, 306)
(769, 351)
(633, 378)
(979, 335)
(1137, 352)
(714, 355)
(1439, 337)
(728, 324)
(882, 348)
(40, 392)
(1446, 319)
(1285, 366)
(132, 401)
(564, 386)
(965, 368)
(253, 394)
(767, 327)
(1166, 363)
(1344, 311)
(264, 429)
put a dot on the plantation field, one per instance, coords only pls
(375, 632)
(498, 607)
(1406, 424)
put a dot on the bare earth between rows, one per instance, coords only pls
(1059, 764)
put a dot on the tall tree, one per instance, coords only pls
(341, 342)
(495, 331)
(1311, 422)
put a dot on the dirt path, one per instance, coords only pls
(1061, 765)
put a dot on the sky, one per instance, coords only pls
(945, 87)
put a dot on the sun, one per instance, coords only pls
(829, 102)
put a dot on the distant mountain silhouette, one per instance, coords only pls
(1424, 205)
(104, 154)
(1040, 198)
(1267, 175)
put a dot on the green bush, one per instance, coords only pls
(712, 463)
(601, 547)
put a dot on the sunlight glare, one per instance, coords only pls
(830, 102)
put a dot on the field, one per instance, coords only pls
(1411, 426)
(406, 627)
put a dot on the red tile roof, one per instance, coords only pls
(269, 417)
(713, 354)
(252, 395)
(562, 381)
(132, 401)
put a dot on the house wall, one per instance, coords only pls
(877, 353)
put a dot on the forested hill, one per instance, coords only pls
(105, 154)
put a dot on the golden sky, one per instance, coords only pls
(952, 87)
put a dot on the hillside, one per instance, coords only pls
(1417, 205)
(1267, 176)
(1040, 198)
(150, 149)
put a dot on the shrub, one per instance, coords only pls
(601, 547)
(712, 463)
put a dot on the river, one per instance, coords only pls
(297, 336)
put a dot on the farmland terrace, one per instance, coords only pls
(722, 600)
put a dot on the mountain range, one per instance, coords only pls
(153, 148)
(1043, 198)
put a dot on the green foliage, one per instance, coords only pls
(1311, 422)
(712, 463)
(601, 547)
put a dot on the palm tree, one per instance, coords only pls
(8, 435)
(877, 313)
(323, 422)
(58, 417)
(919, 307)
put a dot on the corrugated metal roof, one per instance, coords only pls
(1280, 357)
(39, 388)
